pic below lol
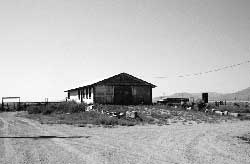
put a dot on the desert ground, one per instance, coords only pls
(27, 141)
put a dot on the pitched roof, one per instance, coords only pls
(119, 79)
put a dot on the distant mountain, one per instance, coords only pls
(243, 95)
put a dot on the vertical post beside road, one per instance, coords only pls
(2, 104)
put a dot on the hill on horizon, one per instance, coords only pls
(243, 95)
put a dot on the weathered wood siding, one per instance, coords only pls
(104, 94)
(142, 94)
(123, 95)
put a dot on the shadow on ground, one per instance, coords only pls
(43, 137)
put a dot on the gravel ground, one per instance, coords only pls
(27, 141)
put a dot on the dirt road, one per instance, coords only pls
(27, 141)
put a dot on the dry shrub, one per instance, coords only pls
(160, 116)
(106, 120)
(63, 107)
(82, 118)
(34, 109)
(71, 107)
(200, 104)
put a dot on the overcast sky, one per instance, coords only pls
(48, 46)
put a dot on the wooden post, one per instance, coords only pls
(46, 101)
(81, 93)
(19, 104)
(151, 97)
(2, 104)
(94, 98)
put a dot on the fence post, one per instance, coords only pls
(2, 104)
(19, 104)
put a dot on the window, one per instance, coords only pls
(68, 95)
(87, 93)
(81, 94)
(90, 93)
(78, 94)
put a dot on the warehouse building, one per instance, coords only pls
(121, 89)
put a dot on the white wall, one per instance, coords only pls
(88, 100)
(74, 96)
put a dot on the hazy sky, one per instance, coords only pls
(48, 46)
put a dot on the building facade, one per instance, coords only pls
(121, 89)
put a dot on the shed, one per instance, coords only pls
(121, 89)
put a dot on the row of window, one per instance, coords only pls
(86, 94)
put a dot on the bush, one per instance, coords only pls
(71, 107)
(47, 110)
(200, 104)
(112, 108)
(34, 109)
(160, 116)
(123, 122)
(63, 107)
(211, 106)
(101, 119)
(233, 108)
(105, 120)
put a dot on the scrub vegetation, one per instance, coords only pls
(111, 115)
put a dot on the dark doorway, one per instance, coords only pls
(123, 95)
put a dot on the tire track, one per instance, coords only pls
(191, 150)
(203, 143)
(8, 152)
(2, 147)
(91, 152)
(27, 150)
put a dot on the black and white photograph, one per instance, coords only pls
(125, 82)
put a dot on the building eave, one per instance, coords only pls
(104, 82)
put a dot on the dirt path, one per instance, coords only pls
(26, 141)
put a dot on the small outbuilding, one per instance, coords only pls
(121, 89)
